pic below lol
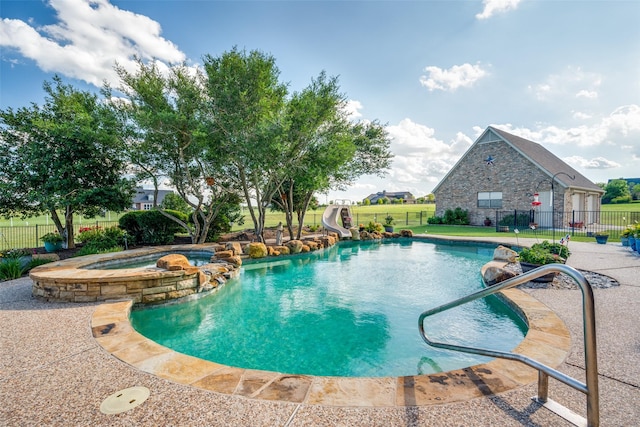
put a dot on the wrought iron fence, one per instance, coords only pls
(527, 222)
(574, 223)
(28, 236)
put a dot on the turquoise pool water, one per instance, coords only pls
(351, 310)
(149, 261)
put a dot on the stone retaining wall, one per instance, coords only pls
(75, 280)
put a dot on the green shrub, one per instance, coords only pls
(151, 227)
(553, 248)
(90, 249)
(10, 269)
(374, 227)
(544, 253)
(435, 220)
(457, 216)
(99, 240)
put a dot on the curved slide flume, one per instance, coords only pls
(335, 215)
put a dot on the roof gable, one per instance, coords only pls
(542, 158)
(547, 161)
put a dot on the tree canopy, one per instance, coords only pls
(215, 133)
(64, 156)
(616, 191)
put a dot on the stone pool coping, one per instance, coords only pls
(547, 340)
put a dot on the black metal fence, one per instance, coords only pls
(528, 222)
(28, 236)
(574, 223)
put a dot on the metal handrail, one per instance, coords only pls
(590, 388)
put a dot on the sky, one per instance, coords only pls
(563, 73)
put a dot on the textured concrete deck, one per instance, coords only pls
(54, 372)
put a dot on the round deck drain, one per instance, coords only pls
(123, 400)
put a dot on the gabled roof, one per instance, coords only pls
(396, 194)
(544, 159)
(142, 195)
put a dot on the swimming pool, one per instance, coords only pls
(350, 310)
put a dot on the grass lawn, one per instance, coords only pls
(469, 231)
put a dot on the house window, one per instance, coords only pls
(147, 206)
(490, 199)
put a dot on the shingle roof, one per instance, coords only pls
(142, 195)
(547, 161)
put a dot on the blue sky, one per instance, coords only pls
(564, 73)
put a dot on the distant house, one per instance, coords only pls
(501, 171)
(405, 196)
(143, 200)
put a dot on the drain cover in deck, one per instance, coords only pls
(123, 400)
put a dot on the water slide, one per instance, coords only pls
(337, 218)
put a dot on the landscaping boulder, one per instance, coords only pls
(493, 275)
(235, 247)
(173, 262)
(257, 250)
(224, 254)
(295, 246)
(502, 253)
(284, 250)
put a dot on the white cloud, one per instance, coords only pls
(492, 7)
(419, 156)
(589, 94)
(88, 39)
(579, 115)
(572, 81)
(352, 109)
(615, 130)
(595, 163)
(465, 75)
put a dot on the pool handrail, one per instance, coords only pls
(590, 388)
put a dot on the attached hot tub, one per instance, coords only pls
(97, 277)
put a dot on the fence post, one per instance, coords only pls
(37, 235)
(420, 217)
(407, 221)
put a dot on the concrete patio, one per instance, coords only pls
(54, 372)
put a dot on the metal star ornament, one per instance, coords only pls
(490, 160)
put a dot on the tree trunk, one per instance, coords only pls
(68, 228)
(302, 212)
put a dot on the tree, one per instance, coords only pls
(327, 150)
(167, 121)
(245, 100)
(63, 156)
(616, 191)
(174, 202)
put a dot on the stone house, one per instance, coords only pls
(504, 172)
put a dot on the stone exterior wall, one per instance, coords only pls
(145, 290)
(78, 279)
(511, 173)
